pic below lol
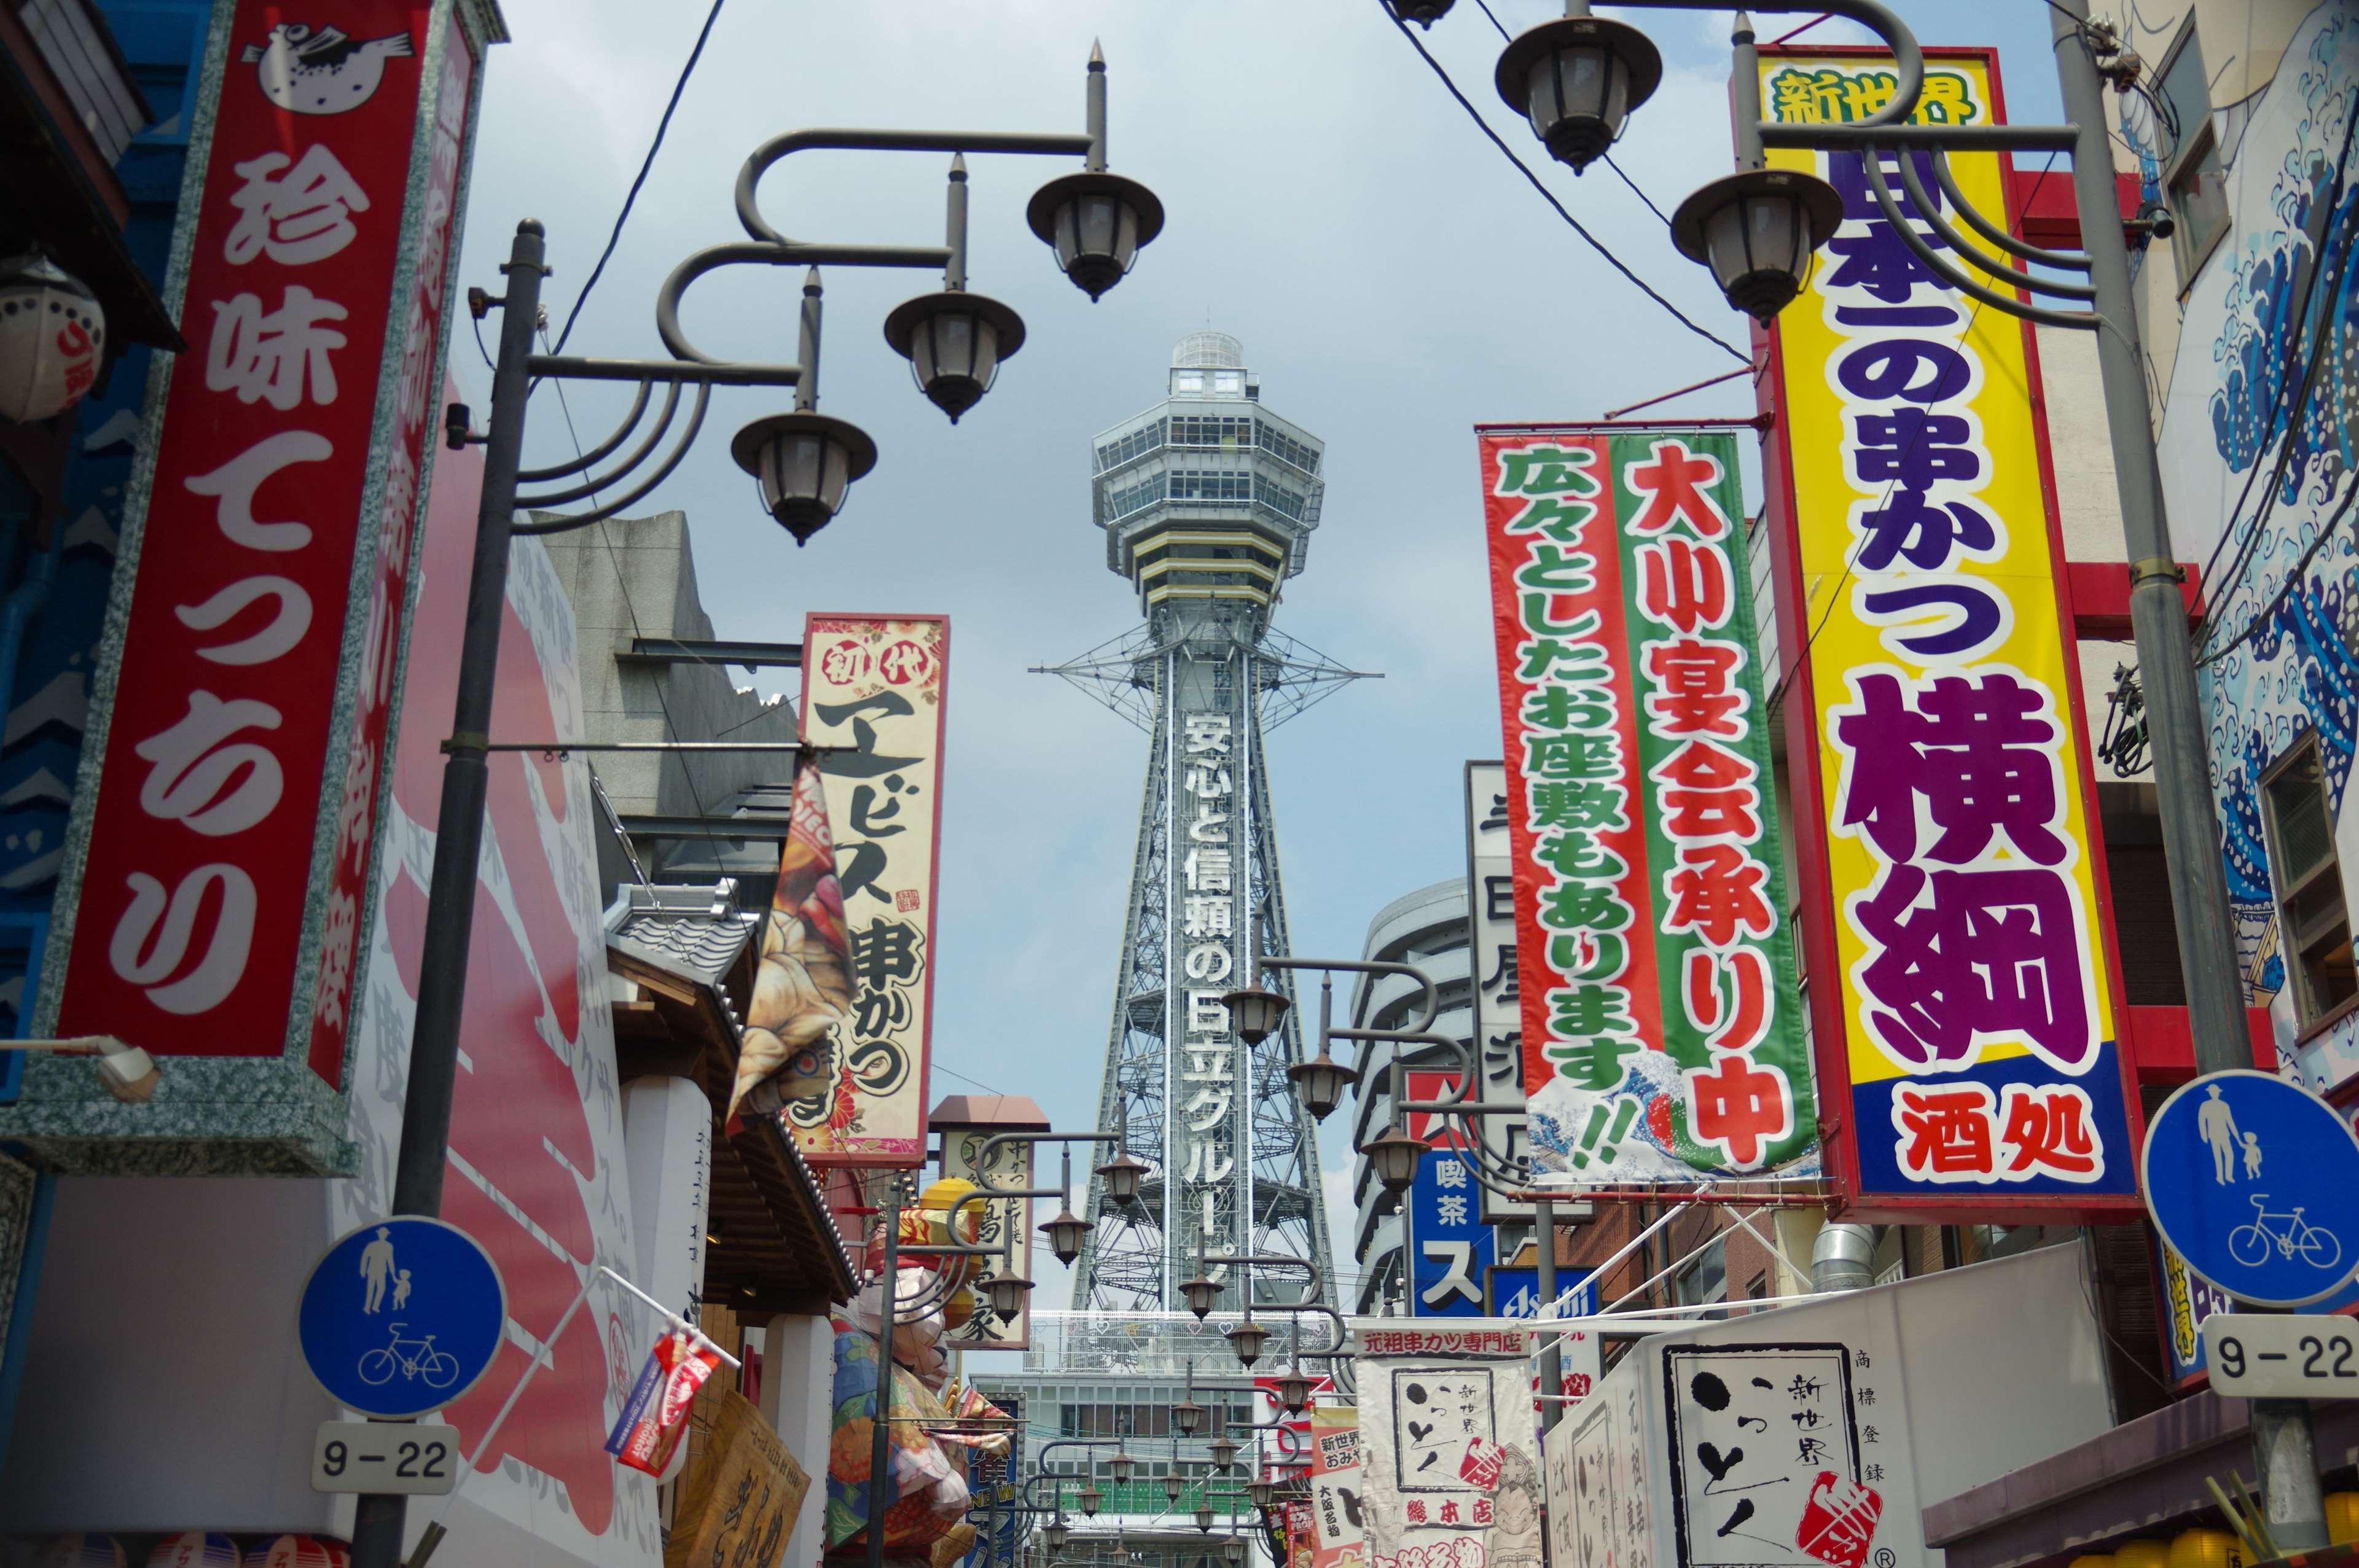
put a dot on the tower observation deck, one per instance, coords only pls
(1207, 501)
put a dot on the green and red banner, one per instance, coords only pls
(1662, 1034)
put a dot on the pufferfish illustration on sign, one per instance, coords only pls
(319, 70)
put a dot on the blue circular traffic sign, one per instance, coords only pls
(2255, 1181)
(401, 1316)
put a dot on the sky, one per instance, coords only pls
(1394, 281)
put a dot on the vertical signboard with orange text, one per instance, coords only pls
(1964, 1003)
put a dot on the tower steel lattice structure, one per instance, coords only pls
(1207, 501)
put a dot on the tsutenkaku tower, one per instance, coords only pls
(1207, 501)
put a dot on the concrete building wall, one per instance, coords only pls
(637, 578)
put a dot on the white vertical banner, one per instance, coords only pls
(1498, 1025)
(1449, 1474)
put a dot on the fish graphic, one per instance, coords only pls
(319, 71)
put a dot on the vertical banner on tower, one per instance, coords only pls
(1662, 1037)
(877, 684)
(1498, 1022)
(215, 887)
(1964, 1005)
(1210, 1086)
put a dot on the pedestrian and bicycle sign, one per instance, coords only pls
(401, 1316)
(2251, 1179)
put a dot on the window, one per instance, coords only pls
(2191, 160)
(1706, 1279)
(2313, 923)
(1187, 381)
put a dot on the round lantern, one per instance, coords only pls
(2205, 1548)
(195, 1549)
(2142, 1554)
(51, 337)
(82, 1551)
(299, 1551)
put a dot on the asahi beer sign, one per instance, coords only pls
(215, 892)
(1662, 1038)
(875, 684)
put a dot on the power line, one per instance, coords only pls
(647, 163)
(1549, 197)
(2326, 531)
(1635, 191)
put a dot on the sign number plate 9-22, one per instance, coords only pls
(2255, 1355)
(384, 1456)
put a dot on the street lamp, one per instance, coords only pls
(1424, 13)
(1294, 1390)
(1054, 1533)
(1205, 1518)
(1262, 1491)
(1090, 1499)
(1121, 1465)
(1005, 1293)
(1122, 1175)
(954, 341)
(1255, 1013)
(1248, 1339)
(1756, 231)
(1187, 1415)
(1066, 1234)
(1173, 1485)
(1394, 1157)
(1095, 221)
(1224, 1452)
(1202, 1295)
(1232, 1551)
(1575, 78)
(803, 462)
(1321, 1082)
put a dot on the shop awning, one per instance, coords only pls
(691, 953)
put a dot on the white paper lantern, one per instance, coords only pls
(299, 1551)
(52, 337)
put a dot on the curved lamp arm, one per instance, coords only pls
(1873, 167)
(1930, 211)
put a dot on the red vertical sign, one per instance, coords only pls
(228, 840)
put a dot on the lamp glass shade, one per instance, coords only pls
(1055, 1534)
(803, 463)
(1122, 1175)
(1202, 1295)
(1121, 1465)
(1394, 1156)
(1321, 1081)
(1066, 1234)
(1007, 1292)
(1579, 96)
(1204, 1520)
(1096, 222)
(954, 342)
(1187, 1415)
(1255, 1013)
(1172, 1487)
(1232, 1551)
(1294, 1390)
(1224, 1452)
(51, 335)
(1248, 1339)
(1756, 231)
(1263, 1492)
(1090, 1499)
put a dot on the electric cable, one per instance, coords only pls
(632, 196)
(2327, 530)
(1549, 197)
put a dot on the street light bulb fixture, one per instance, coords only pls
(1091, 1500)
(1424, 13)
(1121, 1465)
(1248, 1339)
(1756, 230)
(1262, 1492)
(1122, 1175)
(1321, 1082)
(1096, 223)
(954, 342)
(1232, 1551)
(1187, 1415)
(1203, 1296)
(1294, 1390)
(1576, 79)
(1394, 1156)
(1255, 1013)
(1204, 1518)
(1066, 1234)
(1224, 1452)
(1054, 1534)
(1172, 1487)
(1006, 1293)
(804, 462)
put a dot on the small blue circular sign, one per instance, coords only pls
(402, 1316)
(2255, 1181)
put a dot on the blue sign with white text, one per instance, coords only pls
(2255, 1181)
(402, 1316)
(1448, 1244)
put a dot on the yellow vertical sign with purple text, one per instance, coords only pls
(1969, 1019)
